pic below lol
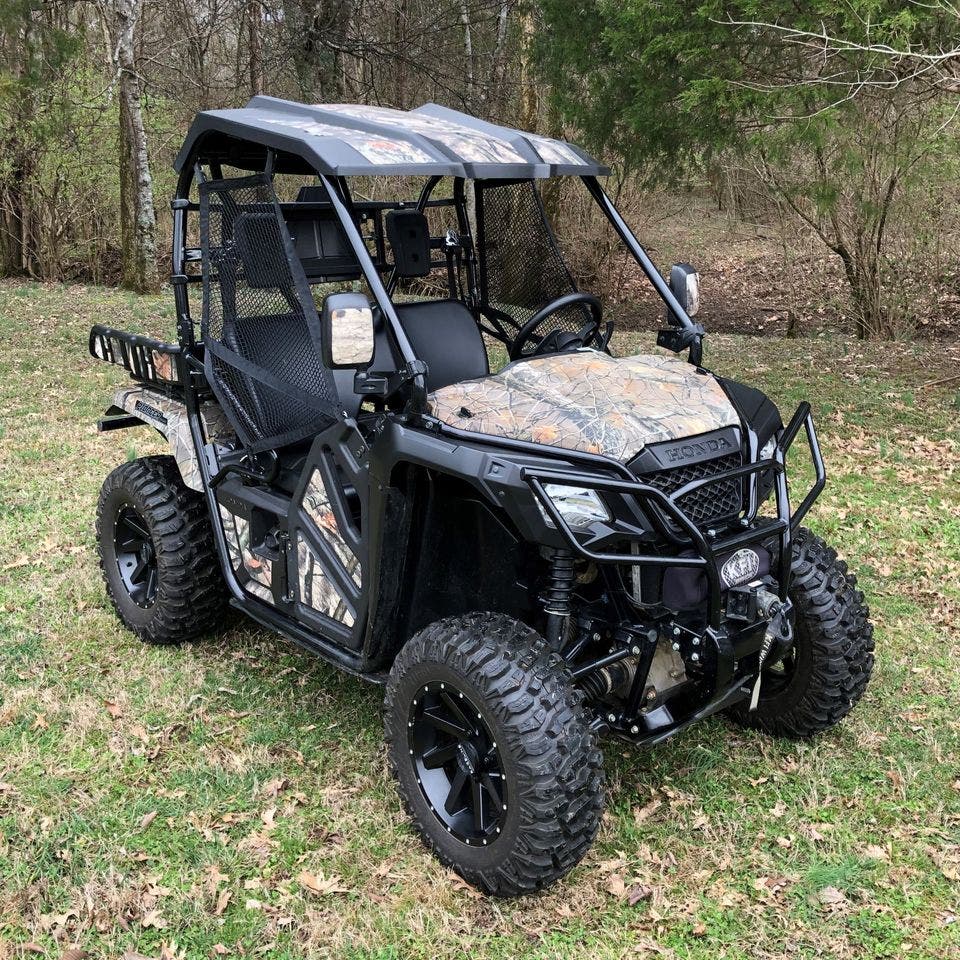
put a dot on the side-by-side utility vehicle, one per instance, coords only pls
(577, 543)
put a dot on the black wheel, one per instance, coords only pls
(156, 553)
(827, 670)
(493, 752)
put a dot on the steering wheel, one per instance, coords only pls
(589, 331)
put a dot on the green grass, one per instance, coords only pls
(168, 799)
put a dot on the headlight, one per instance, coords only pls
(578, 506)
(766, 451)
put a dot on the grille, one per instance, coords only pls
(709, 503)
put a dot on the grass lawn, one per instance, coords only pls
(231, 797)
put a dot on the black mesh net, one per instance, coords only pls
(260, 325)
(522, 269)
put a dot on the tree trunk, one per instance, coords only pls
(493, 92)
(467, 48)
(138, 225)
(13, 248)
(529, 102)
(255, 39)
(400, 68)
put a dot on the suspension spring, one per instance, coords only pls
(558, 596)
(560, 581)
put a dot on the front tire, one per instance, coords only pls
(156, 553)
(826, 672)
(493, 752)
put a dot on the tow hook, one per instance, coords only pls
(779, 634)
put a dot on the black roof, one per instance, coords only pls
(352, 139)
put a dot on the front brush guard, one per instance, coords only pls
(665, 506)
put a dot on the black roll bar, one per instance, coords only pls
(691, 333)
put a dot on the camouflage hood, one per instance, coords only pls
(589, 401)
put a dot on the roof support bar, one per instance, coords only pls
(693, 332)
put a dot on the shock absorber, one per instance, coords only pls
(557, 598)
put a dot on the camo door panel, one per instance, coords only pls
(255, 573)
(318, 590)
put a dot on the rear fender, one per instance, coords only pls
(169, 417)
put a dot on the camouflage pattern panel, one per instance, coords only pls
(351, 336)
(373, 147)
(164, 366)
(169, 416)
(316, 503)
(555, 151)
(317, 590)
(590, 402)
(473, 146)
(259, 572)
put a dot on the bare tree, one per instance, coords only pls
(254, 15)
(138, 224)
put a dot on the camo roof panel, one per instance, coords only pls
(351, 139)
(589, 401)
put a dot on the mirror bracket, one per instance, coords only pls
(373, 384)
(679, 338)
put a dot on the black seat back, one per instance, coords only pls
(260, 325)
(445, 336)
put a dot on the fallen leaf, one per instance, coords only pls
(147, 819)
(831, 895)
(74, 953)
(637, 893)
(222, 902)
(31, 947)
(272, 787)
(215, 877)
(113, 709)
(644, 812)
(875, 852)
(616, 886)
(320, 885)
(154, 920)
(218, 950)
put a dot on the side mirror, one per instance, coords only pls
(347, 331)
(685, 284)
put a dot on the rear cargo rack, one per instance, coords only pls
(146, 359)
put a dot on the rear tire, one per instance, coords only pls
(832, 656)
(492, 678)
(156, 553)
